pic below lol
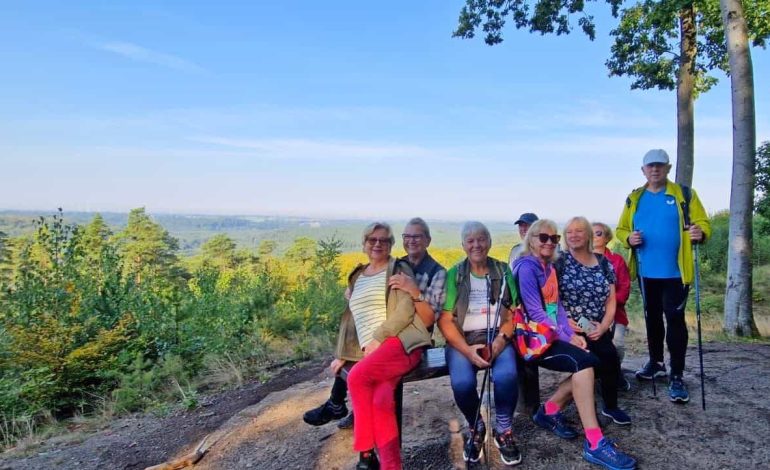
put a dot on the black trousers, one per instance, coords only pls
(339, 391)
(666, 297)
(608, 369)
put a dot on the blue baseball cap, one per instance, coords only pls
(526, 218)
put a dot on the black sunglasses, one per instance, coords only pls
(544, 237)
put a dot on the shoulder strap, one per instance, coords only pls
(687, 194)
(604, 263)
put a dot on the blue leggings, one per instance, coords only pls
(462, 375)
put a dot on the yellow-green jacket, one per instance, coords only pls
(698, 216)
(400, 320)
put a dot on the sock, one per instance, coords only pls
(593, 436)
(551, 408)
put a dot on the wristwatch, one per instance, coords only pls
(420, 298)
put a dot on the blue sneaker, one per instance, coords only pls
(677, 390)
(554, 423)
(608, 455)
(650, 370)
(618, 416)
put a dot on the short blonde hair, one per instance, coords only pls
(533, 233)
(605, 229)
(586, 225)
(369, 230)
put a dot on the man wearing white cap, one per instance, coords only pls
(660, 222)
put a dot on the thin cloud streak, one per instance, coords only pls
(142, 54)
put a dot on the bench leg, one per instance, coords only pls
(529, 387)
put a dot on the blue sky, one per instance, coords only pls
(331, 109)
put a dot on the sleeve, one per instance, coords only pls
(436, 293)
(698, 215)
(531, 298)
(450, 295)
(623, 284)
(625, 224)
(400, 318)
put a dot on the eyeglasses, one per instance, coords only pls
(414, 238)
(599, 233)
(374, 240)
(544, 237)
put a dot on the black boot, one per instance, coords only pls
(368, 461)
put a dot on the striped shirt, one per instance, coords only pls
(367, 303)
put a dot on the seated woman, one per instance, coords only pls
(472, 285)
(602, 237)
(539, 291)
(587, 290)
(381, 321)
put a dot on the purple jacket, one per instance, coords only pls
(531, 278)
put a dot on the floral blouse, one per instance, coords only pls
(584, 289)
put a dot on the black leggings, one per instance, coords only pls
(566, 357)
(339, 391)
(608, 369)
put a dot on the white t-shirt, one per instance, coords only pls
(367, 304)
(478, 307)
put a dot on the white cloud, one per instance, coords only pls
(142, 54)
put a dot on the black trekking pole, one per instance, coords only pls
(486, 378)
(644, 309)
(697, 316)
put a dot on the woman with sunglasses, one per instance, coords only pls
(380, 330)
(587, 289)
(539, 292)
(473, 291)
(602, 237)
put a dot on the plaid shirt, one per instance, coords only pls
(431, 278)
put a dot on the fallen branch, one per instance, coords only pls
(185, 461)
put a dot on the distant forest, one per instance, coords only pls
(192, 231)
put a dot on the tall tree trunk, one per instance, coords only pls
(685, 84)
(739, 316)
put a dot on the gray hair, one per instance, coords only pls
(586, 225)
(420, 223)
(369, 230)
(471, 227)
(533, 233)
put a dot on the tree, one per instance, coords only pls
(656, 43)
(219, 251)
(739, 315)
(147, 248)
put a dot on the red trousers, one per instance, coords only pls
(371, 384)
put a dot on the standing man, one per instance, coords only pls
(427, 291)
(660, 222)
(525, 221)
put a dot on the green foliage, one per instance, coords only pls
(762, 188)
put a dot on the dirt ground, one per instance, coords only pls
(261, 427)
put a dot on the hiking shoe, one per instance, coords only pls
(325, 413)
(608, 455)
(554, 423)
(346, 422)
(618, 416)
(650, 370)
(509, 452)
(473, 451)
(623, 384)
(368, 461)
(677, 390)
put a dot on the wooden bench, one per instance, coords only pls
(433, 365)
